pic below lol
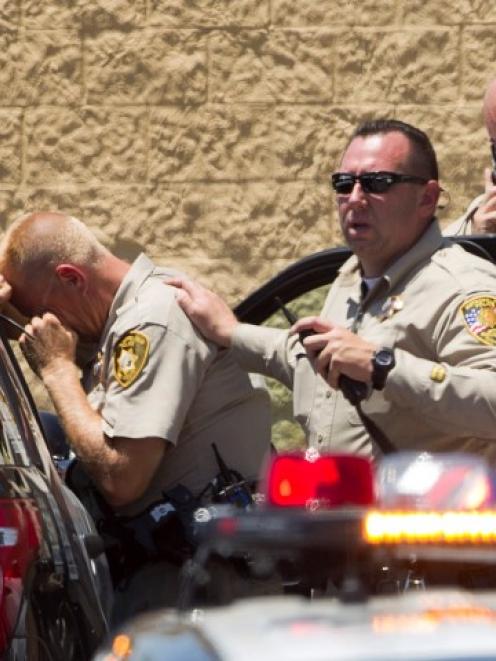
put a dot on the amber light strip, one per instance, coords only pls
(430, 527)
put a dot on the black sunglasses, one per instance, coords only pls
(371, 182)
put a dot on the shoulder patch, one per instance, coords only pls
(479, 315)
(130, 356)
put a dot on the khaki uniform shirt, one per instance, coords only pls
(441, 395)
(156, 376)
(462, 226)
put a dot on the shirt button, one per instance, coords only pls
(328, 394)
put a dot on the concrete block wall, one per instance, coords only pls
(204, 131)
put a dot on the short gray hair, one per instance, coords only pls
(38, 240)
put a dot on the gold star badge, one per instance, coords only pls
(391, 306)
(130, 356)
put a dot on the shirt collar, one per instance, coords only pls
(125, 294)
(428, 243)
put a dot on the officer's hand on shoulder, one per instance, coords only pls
(206, 310)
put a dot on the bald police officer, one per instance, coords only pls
(480, 216)
(155, 394)
(410, 314)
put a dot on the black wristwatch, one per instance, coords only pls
(382, 363)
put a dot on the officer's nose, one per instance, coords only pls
(357, 195)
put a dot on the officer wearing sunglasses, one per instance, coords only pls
(411, 316)
(480, 215)
(371, 182)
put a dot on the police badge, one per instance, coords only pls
(130, 356)
(391, 306)
(479, 315)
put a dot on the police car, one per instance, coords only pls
(393, 562)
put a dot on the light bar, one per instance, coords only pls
(402, 527)
(315, 481)
(430, 618)
(435, 482)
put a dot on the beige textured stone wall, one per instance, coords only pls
(204, 130)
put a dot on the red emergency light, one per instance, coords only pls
(316, 481)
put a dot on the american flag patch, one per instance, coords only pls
(479, 315)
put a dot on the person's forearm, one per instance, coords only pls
(265, 351)
(82, 425)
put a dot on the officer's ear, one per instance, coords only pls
(70, 275)
(430, 196)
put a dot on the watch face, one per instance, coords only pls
(382, 363)
(384, 357)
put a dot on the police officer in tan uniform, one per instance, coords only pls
(411, 315)
(156, 395)
(480, 215)
(155, 376)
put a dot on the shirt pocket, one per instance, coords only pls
(375, 407)
(353, 418)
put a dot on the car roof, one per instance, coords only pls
(432, 624)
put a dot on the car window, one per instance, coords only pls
(12, 447)
(287, 434)
(20, 435)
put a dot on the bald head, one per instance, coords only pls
(37, 242)
(55, 264)
(489, 109)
